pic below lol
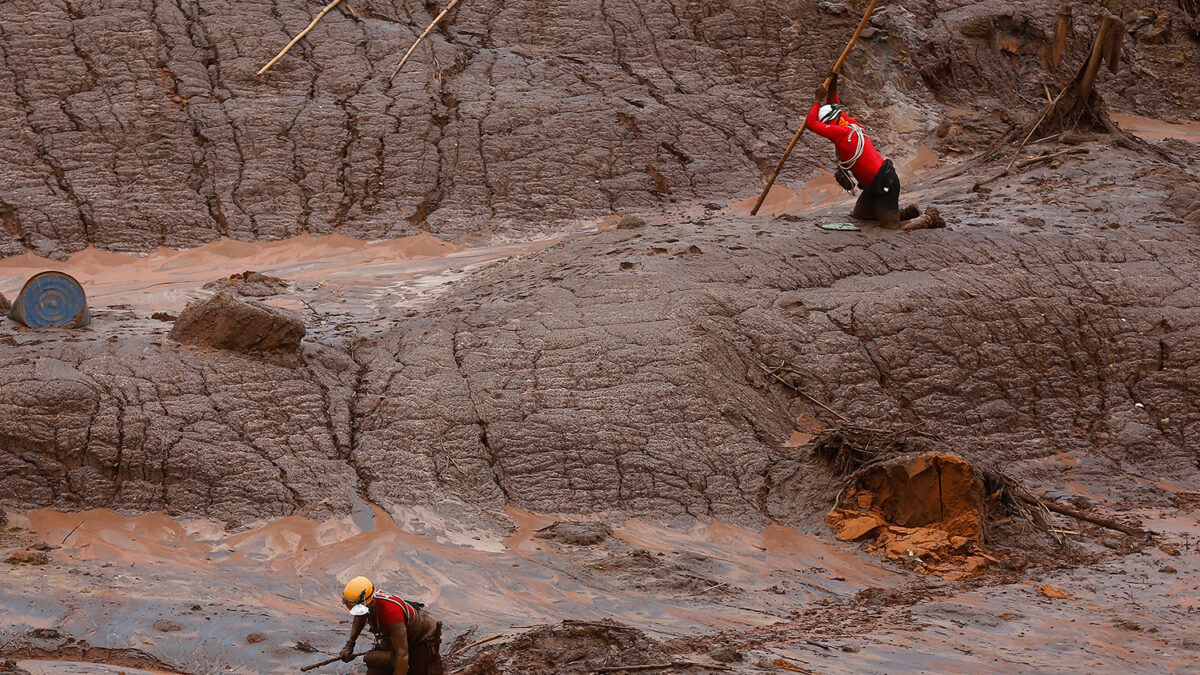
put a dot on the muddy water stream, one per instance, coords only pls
(332, 272)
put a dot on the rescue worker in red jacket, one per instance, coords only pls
(407, 638)
(880, 198)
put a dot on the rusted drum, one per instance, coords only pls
(51, 300)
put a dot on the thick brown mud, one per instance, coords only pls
(521, 405)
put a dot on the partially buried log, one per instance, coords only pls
(1060, 35)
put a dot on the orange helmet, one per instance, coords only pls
(358, 595)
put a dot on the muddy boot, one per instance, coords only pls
(889, 220)
(909, 212)
(931, 219)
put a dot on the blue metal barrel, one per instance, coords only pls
(51, 300)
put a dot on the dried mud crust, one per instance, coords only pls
(624, 372)
(572, 647)
(632, 104)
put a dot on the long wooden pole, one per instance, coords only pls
(829, 80)
(297, 38)
(436, 21)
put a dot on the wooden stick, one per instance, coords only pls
(422, 37)
(1080, 515)
(829, 80)
(297, 38)
(71, 533)
(497, 636)
(329, 661)
(804, 394)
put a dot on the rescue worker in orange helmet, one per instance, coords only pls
(407, 638)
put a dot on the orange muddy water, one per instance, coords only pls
(115, 577)
(359, 277)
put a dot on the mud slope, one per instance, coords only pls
(623, 371)
(132, 125)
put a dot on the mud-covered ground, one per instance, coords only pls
(678, 314)
(586, 432)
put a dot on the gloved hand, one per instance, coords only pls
(347, 653)
(833, 84)
(820, 95)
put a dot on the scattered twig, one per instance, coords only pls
(315, 313)
(71, 533)
(298, 37)
(353, 14)
(714, 587)
(497, 636)
(1024, 163)
(436, 21)
(1046, 138)
(1035, 126)
(1080, 515)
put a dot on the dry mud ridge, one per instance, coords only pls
(132, 125)
(670, 372)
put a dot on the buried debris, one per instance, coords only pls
(926, 509)
(51, 300)
(226, 322)
(250, 284)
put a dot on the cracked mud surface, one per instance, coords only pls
(522, 407)
(145, 124)
(542, 382)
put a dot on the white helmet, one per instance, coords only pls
(829, 112)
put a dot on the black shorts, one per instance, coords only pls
(881, 196)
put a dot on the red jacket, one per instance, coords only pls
(845, 141)
(389, 610)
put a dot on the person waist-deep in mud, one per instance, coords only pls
(857, 156)
(407, 638)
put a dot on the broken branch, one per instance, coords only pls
(497, 636)
(436, 21)
(298, 37)
(1080, 515)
